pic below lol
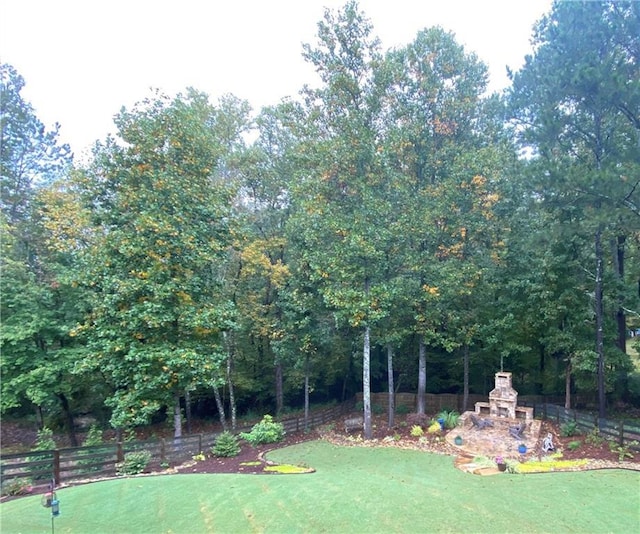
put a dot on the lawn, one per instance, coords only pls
(354, 489)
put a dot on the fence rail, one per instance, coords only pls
(76, 463)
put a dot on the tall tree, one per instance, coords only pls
(338, 211)
(162, 216)
(576, 102)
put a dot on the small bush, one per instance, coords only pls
(226, 446)
(569, 429)
(402, 409)
(594, 437)
(16, 486)
(266, 431)
(573, 445)
(450, 418)
(134, 463)
(416, 431)
(434, 428)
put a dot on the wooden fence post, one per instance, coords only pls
(56, 467)
(119, 452)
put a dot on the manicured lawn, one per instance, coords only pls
(368, 490)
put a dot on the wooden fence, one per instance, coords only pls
(76, 463)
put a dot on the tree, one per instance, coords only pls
(162, 220)
(30, 156)
(576, 102)
(338, 221)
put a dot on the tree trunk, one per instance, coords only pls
(422, 375)
(465, 378)
(68, 418)
(366, 383)
(279, 389)
(567, 385)
(306, 391)
(600, 322)
(621, 320)
(187, 409)
(177, 417)
(232, 398)
(391, 389)
(220, 406)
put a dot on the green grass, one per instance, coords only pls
(354, 489)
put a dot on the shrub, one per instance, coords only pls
(568, 429)
(594, 437)
(450, 418)
(402, 409)
(16, 486)
(44, 442)
(622, 451)
(266, 431)
(93, 437)
(134, 463)
(416, 431)
(434, 428)
(573, 445)
(226, 445)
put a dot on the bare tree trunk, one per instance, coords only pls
(465, 379)
(68, 418)
(621, 320)
(177, 417)
(187, 409)
(232, 398)
(600, 322)
(366, 383)
(220, 406)
(567, 385)
(279, 389)
(391, 389)
(306, 391)
(422, 375)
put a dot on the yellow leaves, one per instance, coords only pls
(431, 290)
(183, 297)
(478, 181)
(142, 275)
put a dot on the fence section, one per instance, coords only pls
(77, 463)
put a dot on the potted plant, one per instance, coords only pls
(502, 465)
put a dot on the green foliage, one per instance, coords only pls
(594, 437)
(450, 418)
(45, 441)
(416, 431)
(94, 436)
(266, 431)
(16, 486)
(573, 445)
(623, 451)
(569, 429)
(134, 463)
(226, 445)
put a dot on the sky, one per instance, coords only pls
(83, 60)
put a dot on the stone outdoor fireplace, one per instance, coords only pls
(503, 401)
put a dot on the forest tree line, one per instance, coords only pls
(392, 227)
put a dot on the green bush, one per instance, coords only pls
(573, 445)
(569, 429)
(134, 463)
(266, 431)
(93, 437)
(16, 486)
(417, 431)
(450, 418)
(44, 442)
(226, 446)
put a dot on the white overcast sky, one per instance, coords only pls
(82, 60)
